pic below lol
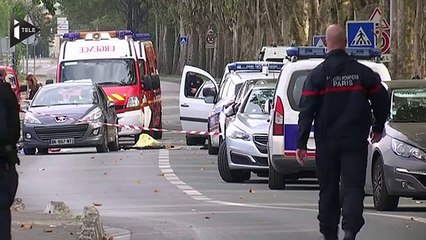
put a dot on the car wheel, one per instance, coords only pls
(43, 151)
(191, 141)
(114, 146)
(104, 146)
(276, 179)
(212, 150)
(29, 151)
(228, 175)
(383, 201)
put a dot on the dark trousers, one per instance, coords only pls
(344, 159)
(8, 188)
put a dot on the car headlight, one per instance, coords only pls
(405, 150)
(133, 102)
(94, 115)
(30, 119)
(236, 133)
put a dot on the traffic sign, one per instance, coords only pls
(385, 43)
(376, 16)
(360, 34)
(210, 39)
(183, 40)
(319, 41)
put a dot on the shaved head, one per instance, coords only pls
(335, 37)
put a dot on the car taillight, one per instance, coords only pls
(278, 127)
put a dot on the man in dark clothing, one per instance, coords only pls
(193, 84)
(336, 96)
(9, 136)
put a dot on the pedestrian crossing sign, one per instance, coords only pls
(360, 34)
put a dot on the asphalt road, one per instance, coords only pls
(178, 194)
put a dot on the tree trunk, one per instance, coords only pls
(195, 46)
(202, 49)
(419, 18)
(176, 51)
(183, 48)
(401, 36)
(394, 64)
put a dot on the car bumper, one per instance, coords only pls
(130, 118)
(84, 135)
(405, 177)
(245, 155)
(289, 166)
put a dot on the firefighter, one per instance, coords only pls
(336, 96)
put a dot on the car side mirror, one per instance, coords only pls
(147, 82)
(230, 111)
(23, 88)
(209, 92)
(111, 104)
(209, 99)
(49, 81)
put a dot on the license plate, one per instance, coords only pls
(62, 141)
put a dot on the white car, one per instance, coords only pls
(205, 110)
(244, 150)
(285, 111)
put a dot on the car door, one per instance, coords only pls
(193, 108)
(109, 111)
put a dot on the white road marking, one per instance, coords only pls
(196, 195)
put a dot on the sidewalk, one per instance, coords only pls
(39, 226)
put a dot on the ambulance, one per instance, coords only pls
(117, 61)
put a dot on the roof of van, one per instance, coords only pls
(101, 49)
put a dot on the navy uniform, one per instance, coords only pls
(9, 136)
(338, 97)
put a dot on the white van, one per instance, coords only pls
(282, 136)
(273, 54)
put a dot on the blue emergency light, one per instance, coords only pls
(275, 66)
(320, 52)
(254, 66)
(244, 66)
(142, 36)
(72, 35)
(306, 52)
(123, 33)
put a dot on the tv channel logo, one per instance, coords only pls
(20, 30)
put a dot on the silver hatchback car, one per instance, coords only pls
(244, 150)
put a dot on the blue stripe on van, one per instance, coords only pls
(290, 136)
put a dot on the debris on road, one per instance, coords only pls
(96, 204)
(58, 208)
(419, 202)
(138, 181)
(251, 191)
(18, 205)
(156, 190)
(41, 169)
(48, 230)
(26, 226)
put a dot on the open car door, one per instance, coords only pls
(194, 106)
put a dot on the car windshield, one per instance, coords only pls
(408, 105)
(65, 95)
(104, 72)
(257, 99)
